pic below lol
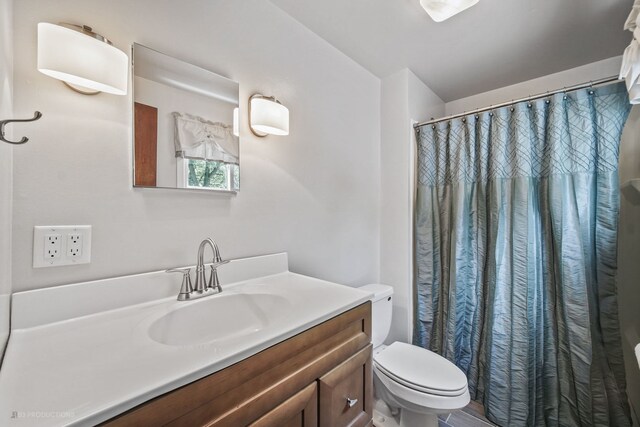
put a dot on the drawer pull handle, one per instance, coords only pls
(351, 402)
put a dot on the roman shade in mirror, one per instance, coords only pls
(201, 139)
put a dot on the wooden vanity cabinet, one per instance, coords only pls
(308, 380)
(300, 410)
(345, 392)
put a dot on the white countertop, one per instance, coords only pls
(87, 369)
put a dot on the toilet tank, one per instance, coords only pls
(381, 312)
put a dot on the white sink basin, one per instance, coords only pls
(220, 318)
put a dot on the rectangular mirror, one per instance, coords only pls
(185, 125)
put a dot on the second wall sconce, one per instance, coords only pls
(236, 121)
(85, 61)
(267, 116)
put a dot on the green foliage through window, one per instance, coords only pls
(212, 175)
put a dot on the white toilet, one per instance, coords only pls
(413, 385)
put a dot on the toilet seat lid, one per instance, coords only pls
(421, 369)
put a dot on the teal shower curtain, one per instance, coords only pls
(516, 227)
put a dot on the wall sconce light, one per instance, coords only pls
(440, 10)
(236, 121)
(267, 116)
(85, 61)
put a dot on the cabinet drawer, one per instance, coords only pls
(346, 393)
(300, 410)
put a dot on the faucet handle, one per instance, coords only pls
(213, 282)
(214, 265)
(186, 289)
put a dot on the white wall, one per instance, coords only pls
(629, 227)
(314, 194)
(6, 162)
(405, 99)
(628, 250)
(594, 71)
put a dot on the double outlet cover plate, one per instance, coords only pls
(61, 245)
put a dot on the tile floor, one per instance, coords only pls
(470, 416)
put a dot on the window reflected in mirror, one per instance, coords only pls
(208, 175)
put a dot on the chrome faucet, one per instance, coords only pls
(203, 287)
(201, 281)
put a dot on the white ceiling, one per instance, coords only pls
(494, 44)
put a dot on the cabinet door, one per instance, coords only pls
(346, 393)
(300, 410)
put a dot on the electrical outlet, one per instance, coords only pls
(61, 245)
(74, 245)
(52, 245)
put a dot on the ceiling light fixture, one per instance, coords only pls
(83, 60)
(440, 10)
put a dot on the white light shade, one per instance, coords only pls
(439, 10)
(269, 116)
(236, 121)
(81, 60)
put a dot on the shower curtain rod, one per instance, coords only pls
(592, 83)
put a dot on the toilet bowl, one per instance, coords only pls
(415, 384)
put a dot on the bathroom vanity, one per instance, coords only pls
(321, 377)
(273, 349)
